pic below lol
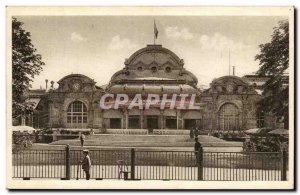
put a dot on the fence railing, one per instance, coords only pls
(152, 165)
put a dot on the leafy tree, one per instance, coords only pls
(25, 65)
(274, 62)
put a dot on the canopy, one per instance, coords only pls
(257, 131)
(23, 128)
(253, 131)
(279, 132)
(35, 102)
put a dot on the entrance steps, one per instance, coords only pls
(117, 140)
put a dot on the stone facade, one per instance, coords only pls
(72, 88)
(235, 95)
(229, 103)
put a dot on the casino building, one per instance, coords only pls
(229, 104)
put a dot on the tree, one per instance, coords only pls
(274, 62)
(25, 65)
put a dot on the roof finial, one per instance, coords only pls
(229, 61)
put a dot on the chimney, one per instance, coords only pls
(46, 84)
(52, 83)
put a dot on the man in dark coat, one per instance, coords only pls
(197, 146)
(86, 164)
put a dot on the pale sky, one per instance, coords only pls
(97, 46)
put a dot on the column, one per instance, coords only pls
(142, 119)
(126, 118)
(162, 119)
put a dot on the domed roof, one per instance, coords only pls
(154, 63)
(154, 53)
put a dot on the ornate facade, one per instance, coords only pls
(229, 103)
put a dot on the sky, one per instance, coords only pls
(97, 46)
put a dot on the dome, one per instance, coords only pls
(154, 63)
(154, 54)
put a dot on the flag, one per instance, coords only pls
(155, 30)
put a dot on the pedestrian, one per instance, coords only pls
(86, 164)
(191, 133)
(92, 132)
(197, 147)
(82, 139)
(196, 132)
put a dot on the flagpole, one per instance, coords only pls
(154, 31)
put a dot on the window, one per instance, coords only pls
(229, 117)
(171, 123)
(168, 69)
(77, 115)
(134, 122)
(115, 123)
(153, 68)
(140, 68)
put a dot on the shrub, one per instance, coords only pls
(263, 144)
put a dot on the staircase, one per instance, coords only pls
(119, 140)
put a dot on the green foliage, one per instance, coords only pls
(274, 62)
(25, 65)
(22, 141)
(263, 144)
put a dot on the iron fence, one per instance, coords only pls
(152, 165)
(39, 164)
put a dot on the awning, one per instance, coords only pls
(279, 132)
(23, 128)
(35, 102)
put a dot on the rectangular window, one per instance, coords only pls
(84, 119)
(115, 123)
(134, 122)
(171, 123)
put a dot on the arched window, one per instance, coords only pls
(229, 117)
(77, 115)
(153, 68)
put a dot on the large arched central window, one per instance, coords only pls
(77, 115)
(229, 117)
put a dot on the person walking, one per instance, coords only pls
(82, 139)
(86, 164)
(197, 147)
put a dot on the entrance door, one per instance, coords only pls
(152, 122)
(115, 123)
(171, 123)
(191, 123)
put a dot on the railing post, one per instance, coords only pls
(132, 166)
(283, 165)
(200, 163)
(68, 164)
